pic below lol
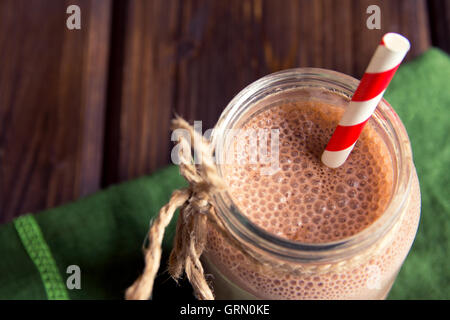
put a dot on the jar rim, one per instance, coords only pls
(244, 230)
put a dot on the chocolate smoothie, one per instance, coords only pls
(307, 202)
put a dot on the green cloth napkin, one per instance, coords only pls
(103, 234)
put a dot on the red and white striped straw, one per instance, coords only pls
(381, 69)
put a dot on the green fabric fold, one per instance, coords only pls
(103, 233)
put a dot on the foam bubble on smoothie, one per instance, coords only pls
(305, 200)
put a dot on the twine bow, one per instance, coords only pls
(191, 229)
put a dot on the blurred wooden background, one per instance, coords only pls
(82, 109)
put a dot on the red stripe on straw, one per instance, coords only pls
(372, 84)
(344, 136)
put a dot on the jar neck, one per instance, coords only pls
(386, 121)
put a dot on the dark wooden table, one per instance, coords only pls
(82, 109)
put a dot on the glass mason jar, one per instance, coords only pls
(362, 266)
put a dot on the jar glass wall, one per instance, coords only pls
(265, 266)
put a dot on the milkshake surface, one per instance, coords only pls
(305, 200)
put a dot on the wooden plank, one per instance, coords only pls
(224, 52)
(52, 94)
(408, 17)
(142, 86)
(333, 34)
(439, 16)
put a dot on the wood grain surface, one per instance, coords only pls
(52, 94)
(80, 110)
(142, 83)
(439, 12)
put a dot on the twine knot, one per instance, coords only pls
(200, 203)
(191, 229)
